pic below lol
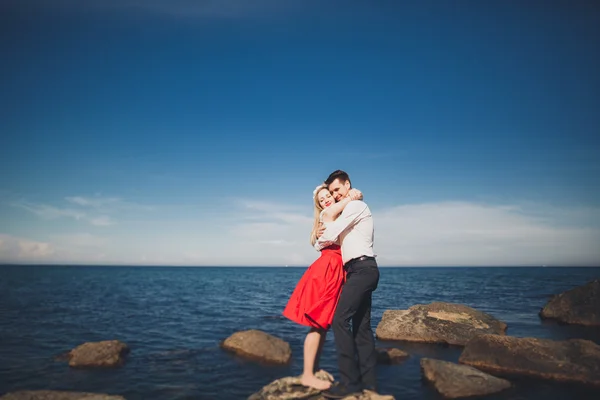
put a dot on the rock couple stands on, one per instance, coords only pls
(290, 388)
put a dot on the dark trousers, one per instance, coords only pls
(356, 347)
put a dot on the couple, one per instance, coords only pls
(335, 291)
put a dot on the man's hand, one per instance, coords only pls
(320, 230)
(355, 194)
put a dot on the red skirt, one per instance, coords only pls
(316, 295)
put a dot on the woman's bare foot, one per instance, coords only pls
(315, 383)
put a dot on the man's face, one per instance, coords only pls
(338, 189)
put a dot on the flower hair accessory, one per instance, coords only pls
(317, 189)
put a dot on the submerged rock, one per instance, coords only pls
(437, 322)
(291, 388)
(574, 360)
(108, 353)
(258, 345)
(454, 381)
(580, 305)
(57, 395)
(391, 356)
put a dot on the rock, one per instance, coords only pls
(289, 388)
(391, 356)
(108, 353)
(437, 322)
(454, 381)
(57, 395)
(258, 345)
(580, 305)
(574, 360)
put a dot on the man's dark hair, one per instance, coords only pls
(338, 174)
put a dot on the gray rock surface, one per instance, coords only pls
(290, 388)
(437, 322)
(104, 354)
(580, 305)
(260, 346)
(391, 356)
(455, 381)
(575, 360)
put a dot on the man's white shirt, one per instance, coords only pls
(354, 229)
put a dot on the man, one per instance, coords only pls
(354, 228)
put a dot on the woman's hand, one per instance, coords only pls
(355, 194)
(320, 230)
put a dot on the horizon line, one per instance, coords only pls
(286, 266)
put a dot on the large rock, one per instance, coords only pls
(454, 381)
(108, 353)
(580, 305)
(437, 323)
(291, 388)
(57, 395)
(574, 360)
(260, 346)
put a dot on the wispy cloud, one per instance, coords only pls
(107, 204)
(97, 211)
(102, 221)
(92, 202)
(68, 248)
(80, 240)
(15, 249)
(462, 233)
(50, 212)
(266, 223)
(271, 233)
(450, 233)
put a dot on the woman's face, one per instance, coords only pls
(325, 198)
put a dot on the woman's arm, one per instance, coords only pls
(332, 212)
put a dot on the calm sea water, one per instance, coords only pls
(174, 318)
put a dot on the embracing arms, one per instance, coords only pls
(331, 213)
(350, 215)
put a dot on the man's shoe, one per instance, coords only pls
(341, 391)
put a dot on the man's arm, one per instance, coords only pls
(333, 231)
(336, 209)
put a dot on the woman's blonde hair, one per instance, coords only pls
(318, 209)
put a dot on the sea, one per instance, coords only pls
(174, 318)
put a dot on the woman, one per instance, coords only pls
(316, 295)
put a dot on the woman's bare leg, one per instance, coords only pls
(311, 349)
(320, 350)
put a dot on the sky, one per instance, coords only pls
(151, 132)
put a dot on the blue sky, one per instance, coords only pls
(193, 132)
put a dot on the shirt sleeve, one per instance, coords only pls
(349, 216)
